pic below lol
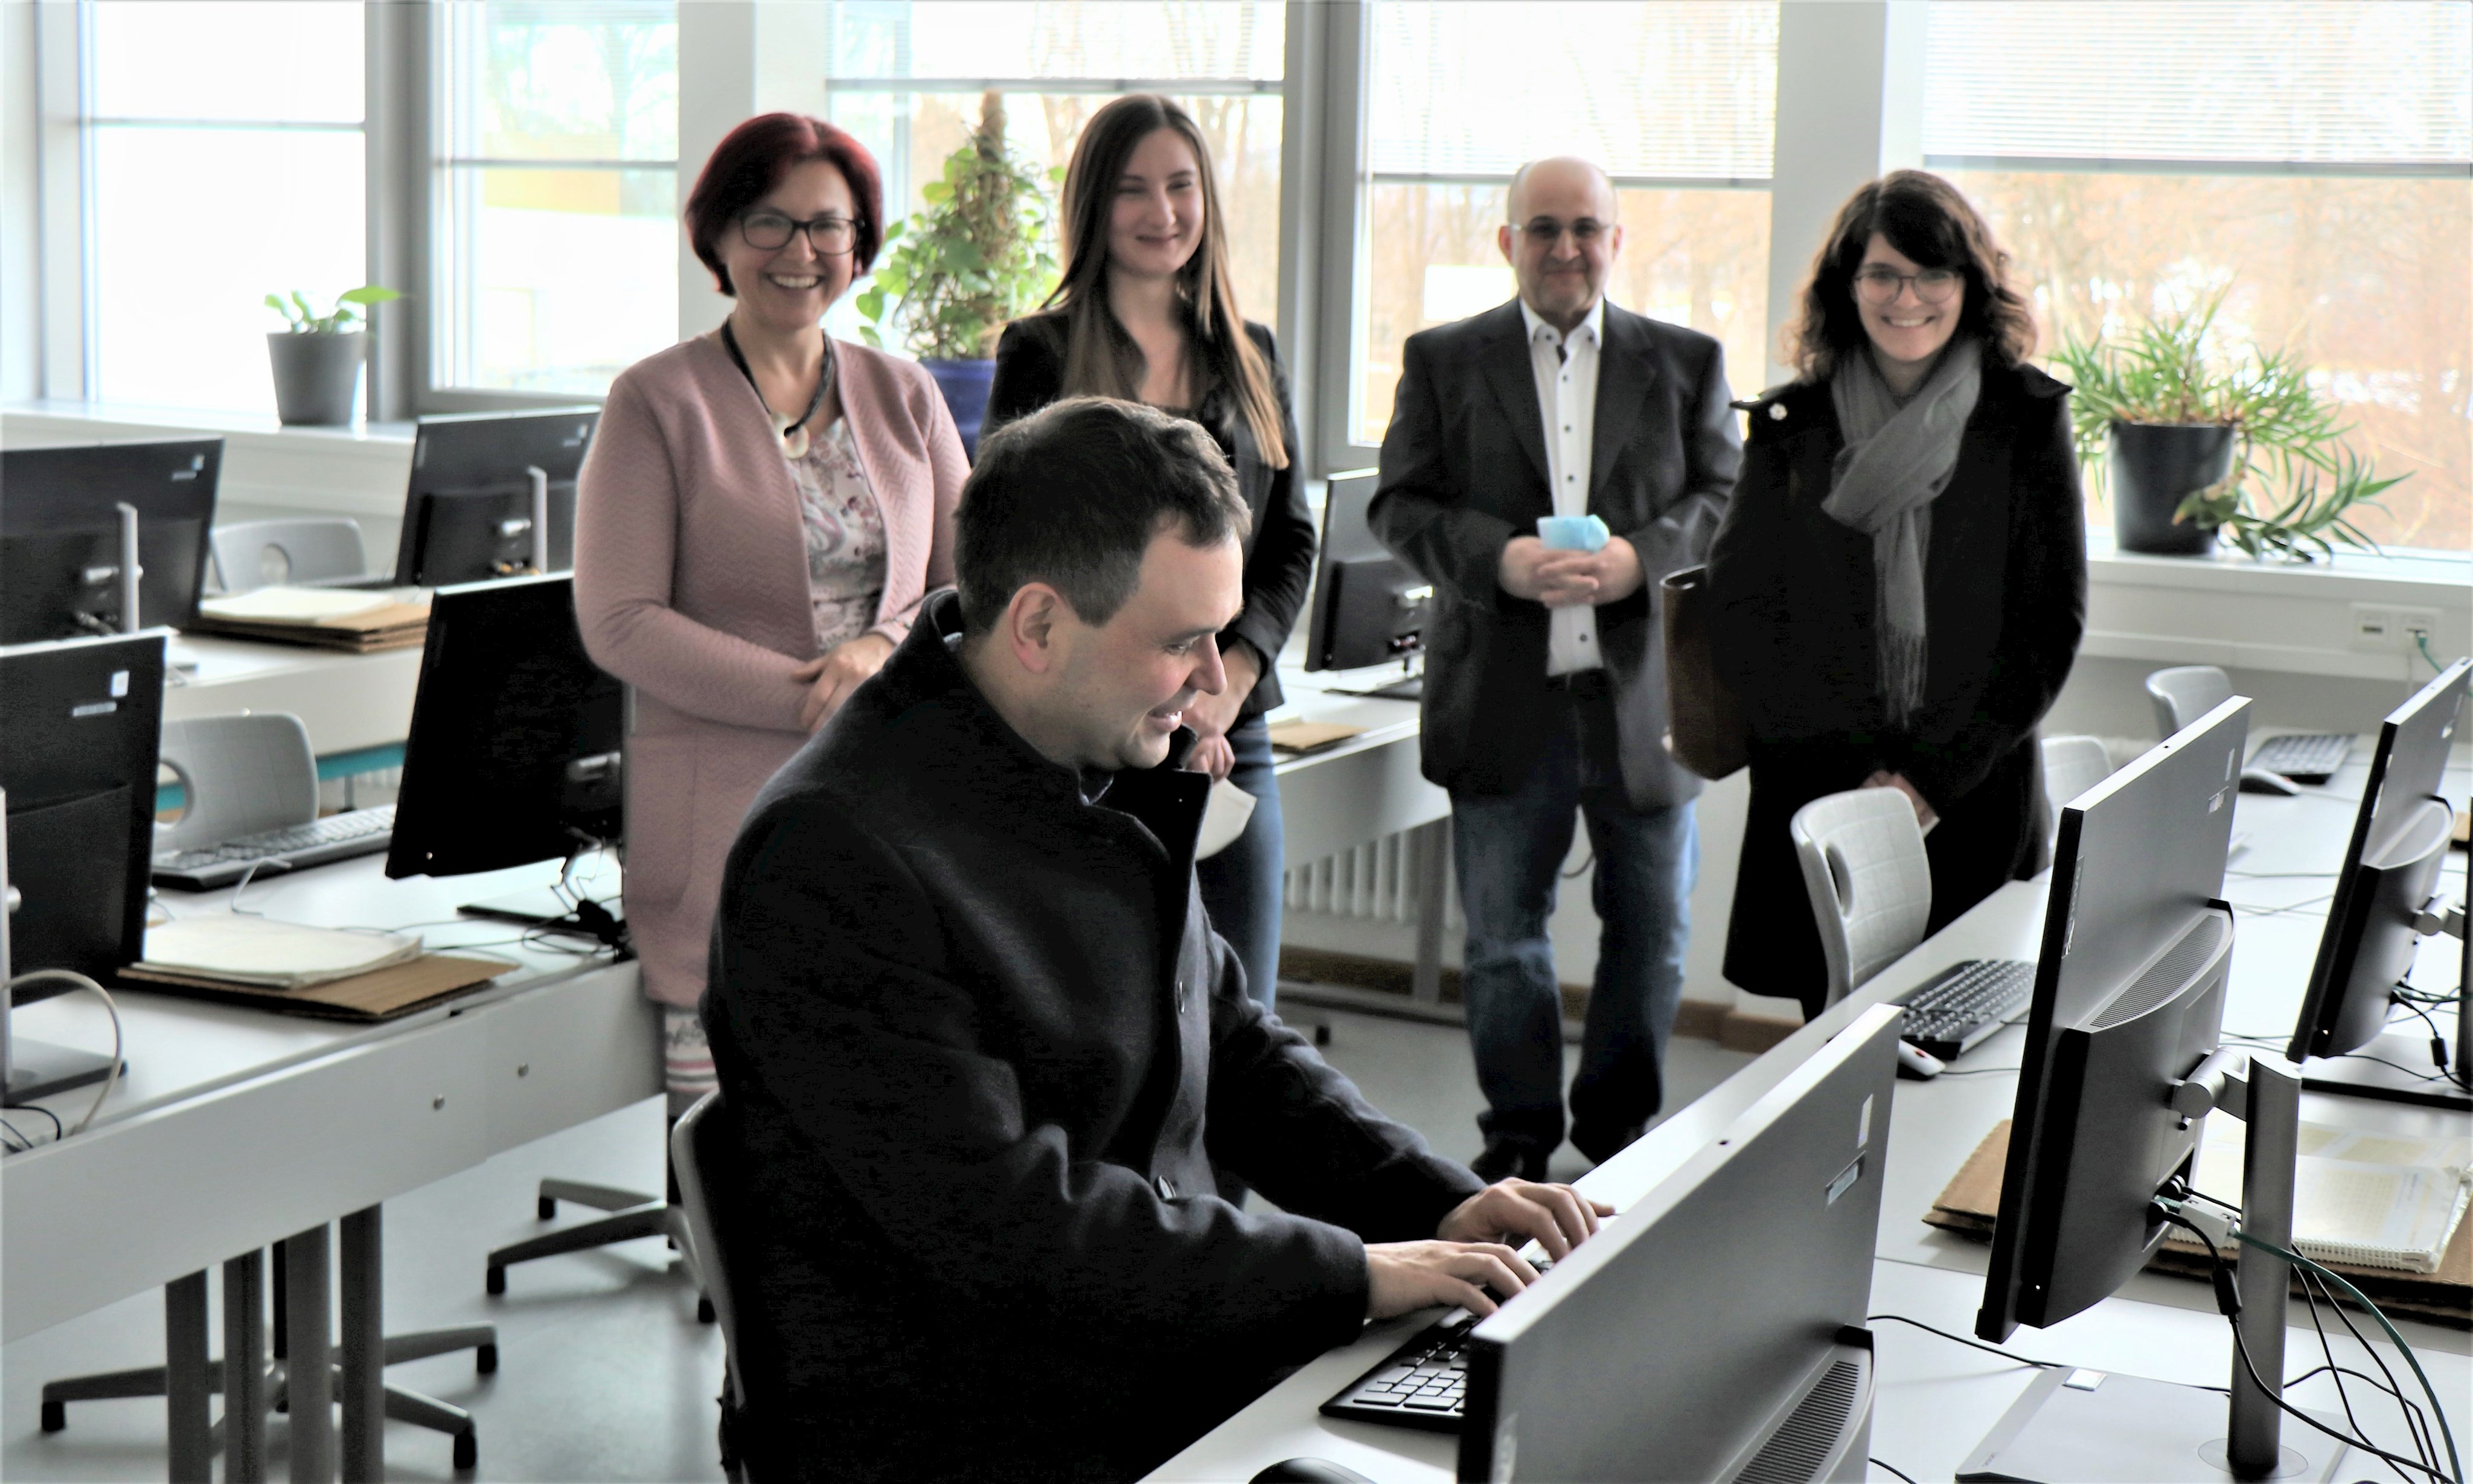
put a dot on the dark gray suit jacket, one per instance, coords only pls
(1464, 470)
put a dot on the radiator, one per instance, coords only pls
(1375, 882)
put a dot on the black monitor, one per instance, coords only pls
(2386, 900)
(1369, 606)
(491, 494)
(1714, 1331)
(62, 527)
(514, 757)
(80, 724)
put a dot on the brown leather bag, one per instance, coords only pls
(1704, 721)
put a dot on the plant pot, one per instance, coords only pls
(2154, 467)
(315, 376)
(965, 385)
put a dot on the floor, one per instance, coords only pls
(604, 1372)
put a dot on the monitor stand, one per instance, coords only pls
(551, 913)
(2358, 1076)
(1410, 687)
(38, 1069)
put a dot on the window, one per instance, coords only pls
(1677, 102)
(224, 141)
(907, 75)
(555, 262)
(2136, 158)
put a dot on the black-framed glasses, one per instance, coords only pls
(770, 231)
(1881, 285)
(1585, 233)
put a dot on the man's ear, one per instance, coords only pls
(1032, 624)
(1502, 240)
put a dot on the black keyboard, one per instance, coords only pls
(2304, 759)
(1424, 1383)
(1968, 1002)
(336, 837)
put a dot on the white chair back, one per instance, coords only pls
(1870, 882)
(2072, 765)
(239, 774)
(2185, 693)
(302, 553)
(687, 1162)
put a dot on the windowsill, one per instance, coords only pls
(2233, 572)
(115, 417)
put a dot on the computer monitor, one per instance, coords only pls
(67, 514)
(80, 721)
(513, 755)
(1715, 1329)
(1369, 606)
(2384, 898)
(491, 494)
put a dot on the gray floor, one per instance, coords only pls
(604, 1372)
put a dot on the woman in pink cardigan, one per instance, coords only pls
(759, 516)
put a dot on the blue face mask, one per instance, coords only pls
(1573, 532)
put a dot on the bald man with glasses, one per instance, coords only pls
(1545, 680)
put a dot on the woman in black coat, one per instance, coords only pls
(1900, 581)
(1146, 312)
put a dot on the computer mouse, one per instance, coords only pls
(1310, 1470)
(2258, 781)
(1916, 1065)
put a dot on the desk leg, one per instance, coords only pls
(187, 1385)
(364, 1351)
(308, 1373)
(244, 1370)
(1431, 853)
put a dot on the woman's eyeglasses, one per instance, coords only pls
(770, 231)
(1882, 285)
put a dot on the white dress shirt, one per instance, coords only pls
(1566, 368)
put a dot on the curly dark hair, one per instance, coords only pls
(1924, 217)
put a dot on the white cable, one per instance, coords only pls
(112, 1073)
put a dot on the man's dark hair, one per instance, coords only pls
(1072, 496)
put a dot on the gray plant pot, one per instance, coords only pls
(2154, 467)
(315, 376)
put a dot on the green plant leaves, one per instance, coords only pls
(981, 254)
(303, 320)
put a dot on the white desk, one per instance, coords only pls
(347, 702)
(1938, 1400)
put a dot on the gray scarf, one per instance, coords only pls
(1896, 462)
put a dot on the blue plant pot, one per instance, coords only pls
(965, 385)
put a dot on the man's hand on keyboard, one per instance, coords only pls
(1556, 1217)
(1407, 1276)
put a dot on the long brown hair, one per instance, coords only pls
(1924, 217)
(1225, 354)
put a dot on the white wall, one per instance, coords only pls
(20, 242)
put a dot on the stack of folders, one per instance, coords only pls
(332, 973)
(324, 617)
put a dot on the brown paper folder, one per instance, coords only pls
(1303, 739)
(394, 626)
(1969, 1203)
(381, 995)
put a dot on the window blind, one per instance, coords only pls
(1659, 91)
(2369, 83)
(963, 40)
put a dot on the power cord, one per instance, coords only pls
(1899, 1473)
(1959, 1339)
(111, 1074)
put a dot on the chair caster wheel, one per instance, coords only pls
(468, 1452)
(704, 1311)
(497, 1282)
(485, 1359)
(56, 1415)
(546, 1208)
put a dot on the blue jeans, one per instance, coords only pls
(1508, 849)
(1240, 885)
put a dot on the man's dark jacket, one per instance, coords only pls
(1794, 637)
(1464, 470)
(981, 1051)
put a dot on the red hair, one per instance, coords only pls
(752, 159)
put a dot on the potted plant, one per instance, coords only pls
(317, 359)
(979, 255)
(2201, 445)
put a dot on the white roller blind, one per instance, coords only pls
(1679, 91)
(1060, 39)
(2381, 83)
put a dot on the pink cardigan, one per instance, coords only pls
(691, 587)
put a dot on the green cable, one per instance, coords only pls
(2421, 641)
(2446, 1432)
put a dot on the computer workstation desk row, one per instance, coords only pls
(1937, 1400)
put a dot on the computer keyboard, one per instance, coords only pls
(1968, 1002)
(1424, 1383)
(336, 837)
(2304, 759)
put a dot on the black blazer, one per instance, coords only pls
(1794, 634)
(1464, 470)
(1279, 550)
(981, 1053)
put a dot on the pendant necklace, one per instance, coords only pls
(793, 431)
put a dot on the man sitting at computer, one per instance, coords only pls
(980, 1050)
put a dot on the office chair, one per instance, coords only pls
(2185, 693)
(2072, 765)
(302, 553)
(239, 774)
(690, 1138)
(1870, 882)
(633, 1215)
